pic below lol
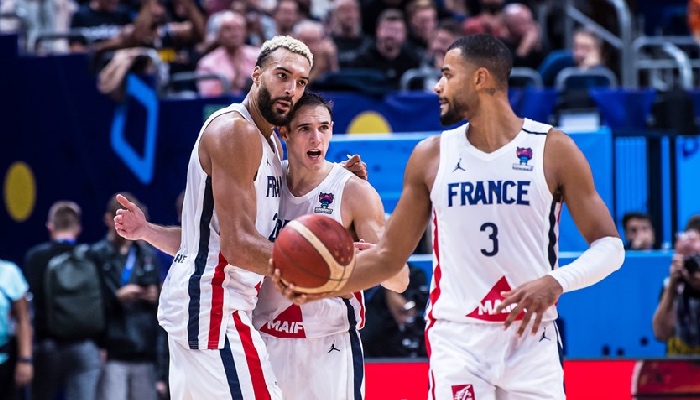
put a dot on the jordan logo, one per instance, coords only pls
(544, 335)
(458, 167)
(333, 348)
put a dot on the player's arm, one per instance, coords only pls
(574, 179)
(368, 220)
(230, 152)
(568, 174)
(130, 223)
(406, 225)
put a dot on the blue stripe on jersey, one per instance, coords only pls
(551, 251)
(560, 345)
(200, 263)
(356, 349)
(234, 384)
(534, 133)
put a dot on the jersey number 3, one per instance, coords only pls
(492, 230)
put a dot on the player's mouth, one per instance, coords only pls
(314, 155)
(443, 104)
(283, 106)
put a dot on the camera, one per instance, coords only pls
(692, 263)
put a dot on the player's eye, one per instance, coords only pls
(281, 75)
(303, 83)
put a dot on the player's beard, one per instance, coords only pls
(265, 104)
(453, 115)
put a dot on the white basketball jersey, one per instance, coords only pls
(495, 224)
(275, 315)
(202, 290)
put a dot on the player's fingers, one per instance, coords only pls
(512, 297)
(536, 324)
(524, 323)
(125, 202)
(353, 159)
(513, 314)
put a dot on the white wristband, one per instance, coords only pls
(604, 257)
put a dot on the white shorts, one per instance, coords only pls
(326, 368)
(239, 371)
(486, 362)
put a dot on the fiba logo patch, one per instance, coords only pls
(524, 155)
(463, 392)
(325, 199)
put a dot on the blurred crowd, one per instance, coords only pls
(207, 47)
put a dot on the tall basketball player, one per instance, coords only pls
(315, 348)
(230, 209)
(493, 189)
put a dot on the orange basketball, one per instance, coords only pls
(315, 253)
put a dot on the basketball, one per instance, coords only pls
(315, 253)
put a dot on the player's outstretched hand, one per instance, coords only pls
(130, 221)
(531, 298)
(289, 291)
(355, 165)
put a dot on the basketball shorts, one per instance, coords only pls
(239, 371)
(486, 362)
(326, 368)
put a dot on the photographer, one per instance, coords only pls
(677, 317)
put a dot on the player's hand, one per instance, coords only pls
(362, 245)
(531, 298)
(130, 221)
(355, 165)
(24, 372)
(289, 291)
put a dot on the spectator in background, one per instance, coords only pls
(639, 232)
(490, 20)
(390, 53)
(253, 16)
(677, 317)
(422, 21)
(233, 59)
(523, 36)
(694, 19)
(346, 31)
(284, 17)
(324, 51)
(394, 324)
(132, 282)
(15, 344)
(445, 34)
(370, 9)
(102, 22)
(587, 49)
(73, 365)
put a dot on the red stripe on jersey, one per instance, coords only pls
(437, 275)
(361, 299)
(252, 358)
(216, 313)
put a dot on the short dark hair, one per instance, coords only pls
(451, 26)
(634, 215)
(486, 51)
(693, 223)
(391, 14)
(310, 99)
(64, 215)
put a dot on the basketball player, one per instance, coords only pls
(493, 189)
(315, 349)
(320, 338)
(230, 209)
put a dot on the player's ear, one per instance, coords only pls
(257, 71)
(480, 77)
